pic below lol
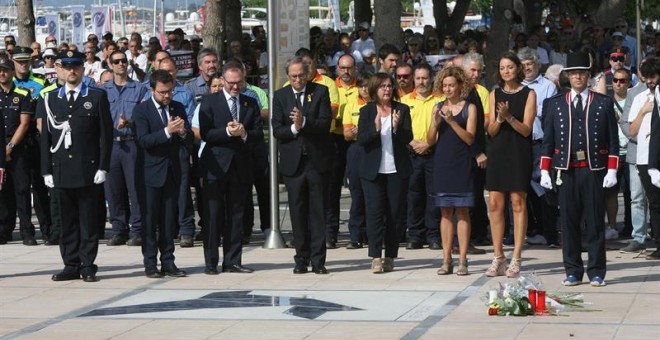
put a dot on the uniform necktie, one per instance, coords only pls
(163, 114)
(71, 97)
(578, 103)
(298, 96)
(234, 108)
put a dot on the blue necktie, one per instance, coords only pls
(163, 114)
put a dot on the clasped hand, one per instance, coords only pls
(297, 118)
(440, 114)
(236, 129)
(503, 110)
(176, 125)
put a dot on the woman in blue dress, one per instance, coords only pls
(453, 128)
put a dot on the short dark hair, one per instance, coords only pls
(514, 58)
(304, 52)
(423, 66)
(650, 67)
(116, 52)
(375, 82)
(160, 76)
(386, 50)
(233, 65)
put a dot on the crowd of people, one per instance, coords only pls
(553, 139)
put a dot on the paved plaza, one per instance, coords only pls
(272, 303)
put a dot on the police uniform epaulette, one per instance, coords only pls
(50, 88)
(559, 94)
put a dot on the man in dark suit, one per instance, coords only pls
(580, 141)
(229, 122)
(76, 139)
(301, 123)
(161, 127)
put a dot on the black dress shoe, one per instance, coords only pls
(211, 271)
(300, 269)
(354, 245)
(435, 245)
(237, 268)
(186, 241)
(414, 245)
(135, 241)
(66, 276)
(172, 270)
(331, 244)
(90, 278)
(153, 273)
(117, 240)
(320, 270)
(29, 241)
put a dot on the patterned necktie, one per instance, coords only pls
(578, 104)
(163, 114)
(72, 94)
(234, 109)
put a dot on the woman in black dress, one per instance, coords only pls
(509, 160)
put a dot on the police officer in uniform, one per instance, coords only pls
(34, 82)
(581, 143)
(16, 108)
(76, 140)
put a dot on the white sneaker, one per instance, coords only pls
(537, 239)
(611, 234)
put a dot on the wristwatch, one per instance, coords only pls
(11, 145)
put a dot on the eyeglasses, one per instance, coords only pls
(618, 59)
(619, 80)
(164, 93)
(402, 76)
(119, 61)
(49, 57)
(232, 84)
(297, 76)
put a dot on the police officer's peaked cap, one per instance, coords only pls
(71, 58)
(6, 63)
(22, 53)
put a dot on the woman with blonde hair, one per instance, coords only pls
(453, 129)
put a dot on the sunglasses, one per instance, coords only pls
(119, 61)
(619, 59)
(49, 57)
(402, 76)
(619, 80)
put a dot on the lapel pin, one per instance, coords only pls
(309, 98)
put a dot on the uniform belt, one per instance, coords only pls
(123, 138)
(580, 164)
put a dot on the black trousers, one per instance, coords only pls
(335, 182)
(79, 241)
(16, 193)
(261, 182)
(423, 218)
(582, 195)
(40, 197)
(357, 227)
(224, 206)
(160, 213)
(307, 192)
(186, 225)
(383, 198)
(479, 213)
(653, 196)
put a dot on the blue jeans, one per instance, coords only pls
(638, 204)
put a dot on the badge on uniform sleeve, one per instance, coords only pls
(87, 105)
(15, 100)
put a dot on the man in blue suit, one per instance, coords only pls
(162, 127)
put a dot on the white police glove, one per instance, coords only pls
(48, 180)
(655, 177)
(546, 181)
(99, 177)
(610, 179)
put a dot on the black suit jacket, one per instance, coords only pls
(369, 138)
(221, 149)
(157, 153)
(654, 143)
(91, 136)
(315, 135)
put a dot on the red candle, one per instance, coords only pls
(540, 302)
(532, 298)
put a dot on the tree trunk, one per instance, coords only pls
(387, 28)
(362, 11)
(533, 14)
(213, 30)
(441, 15)
(25, 22)
(233, 20)
(457, 17)
(498, 38)
(609, 11)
